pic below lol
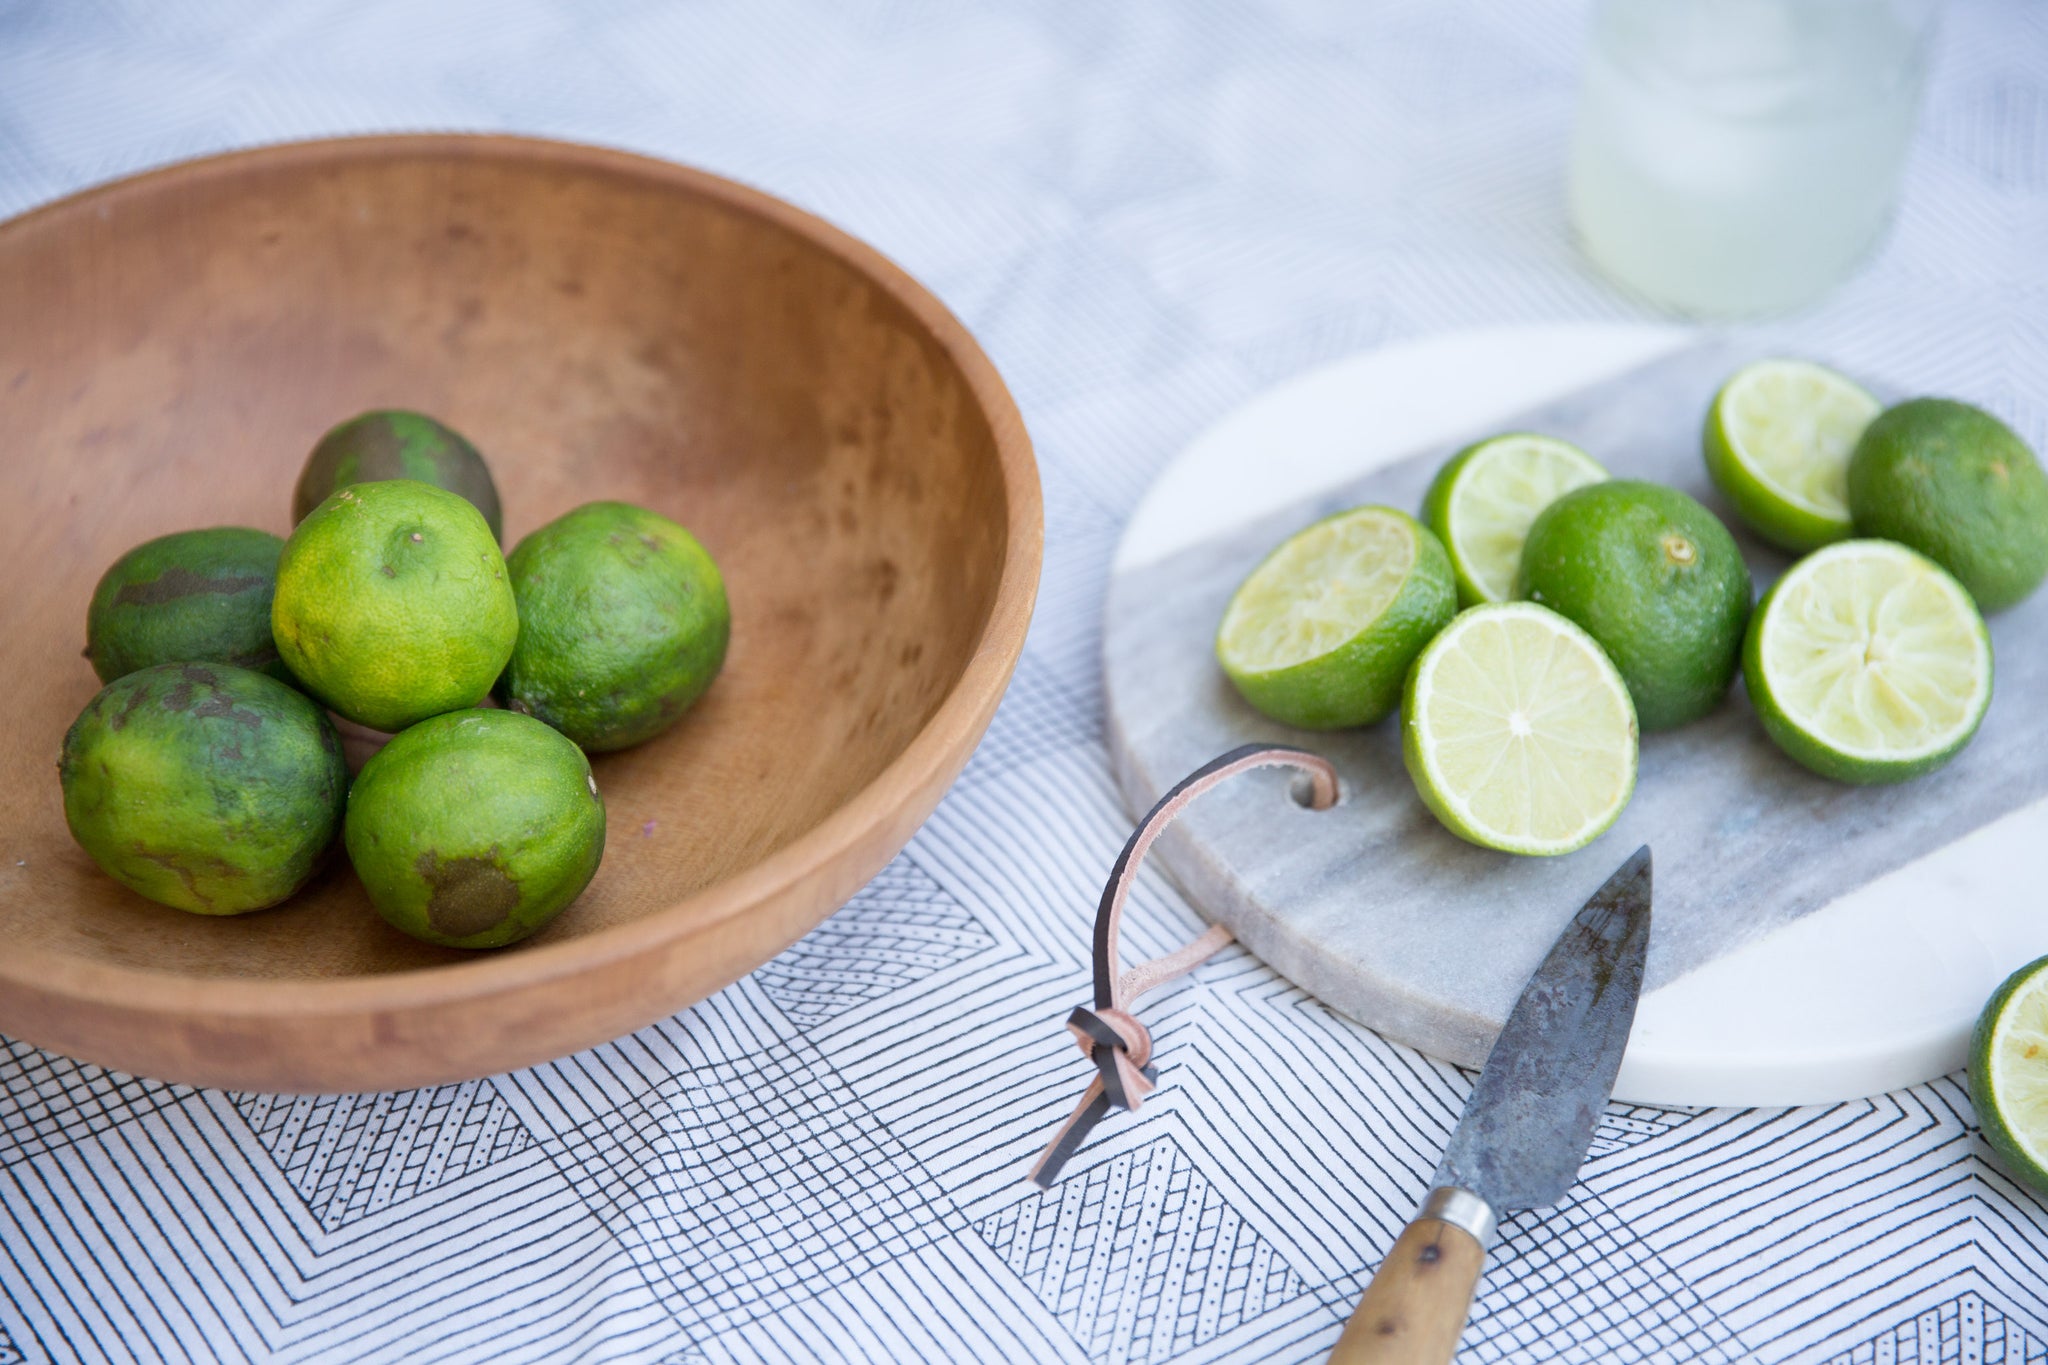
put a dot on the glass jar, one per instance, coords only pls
(1741, 156)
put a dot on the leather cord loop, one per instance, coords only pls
(1109, 1035)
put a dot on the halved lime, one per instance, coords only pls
(1868, 663)
(2009, 1072)
(1322, 632)
(1519, 732)
(1778, 439)
(1484, 498)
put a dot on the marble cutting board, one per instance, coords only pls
(1377, 910)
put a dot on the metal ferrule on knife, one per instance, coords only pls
(1461, 1209)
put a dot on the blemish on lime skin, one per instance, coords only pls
(469, 895)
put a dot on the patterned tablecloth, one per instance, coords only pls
(1147, 210)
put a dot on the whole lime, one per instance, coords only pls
(394, 444)
(1959, 486)
(392, 603)
(204, 786)
(623, 623)
(475, 828)
(1656, 579)
(192, 597)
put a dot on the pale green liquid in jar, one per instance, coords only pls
(1741, 156)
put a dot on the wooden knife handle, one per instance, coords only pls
(1414, 1310)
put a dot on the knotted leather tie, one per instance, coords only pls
(1109, 1035)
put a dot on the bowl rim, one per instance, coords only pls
(931, 759)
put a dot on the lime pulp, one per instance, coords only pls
(1778, 440)
(1868, 663)
(2009, 1073)
(1485, 498)
(1518, 731)
(1323, 630)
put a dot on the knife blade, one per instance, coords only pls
(1524, 1131)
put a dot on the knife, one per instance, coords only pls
(1525, 1128)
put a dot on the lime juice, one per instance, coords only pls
(1740, 156)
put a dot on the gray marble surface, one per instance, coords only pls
(1378, 910)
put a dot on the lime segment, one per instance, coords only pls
(2009, 1073)
(1484, 499)
(1321, 633)
(1778, 441)
(1518, 731)
(1868, 663)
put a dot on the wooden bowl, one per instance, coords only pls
(602, 326)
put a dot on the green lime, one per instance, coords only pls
(2009, 1073)
(1867, 663)
(1518, 731)
(475, 828)
(193, 597)
(1322, 632)
(392, 604)
(397, 445)
(1657, 580)
(1485, 498)
(1959, 486)
(623, 623)
(204, 786)
(1778, 439)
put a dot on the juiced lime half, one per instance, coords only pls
(1485, 497)
(1519, 732)
(1778, 440)
(2009, 1072)
(1867, 663)
(1322, 632)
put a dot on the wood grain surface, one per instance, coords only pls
(1414, 1310)
(601, 326)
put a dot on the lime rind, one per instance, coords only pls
(1778, 440)
(1321, 633)
(1518, 731)
(1957, 484)
(1485, 498)
(392, 603)
(475, 828)
(1657, 579)
(1868, 663)
(2008, 1072)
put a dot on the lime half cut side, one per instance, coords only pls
(1778, 440)
(1485, 498)
(1868, 663)
(1519, 732)
(1322, 632)
(2009, 1073)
